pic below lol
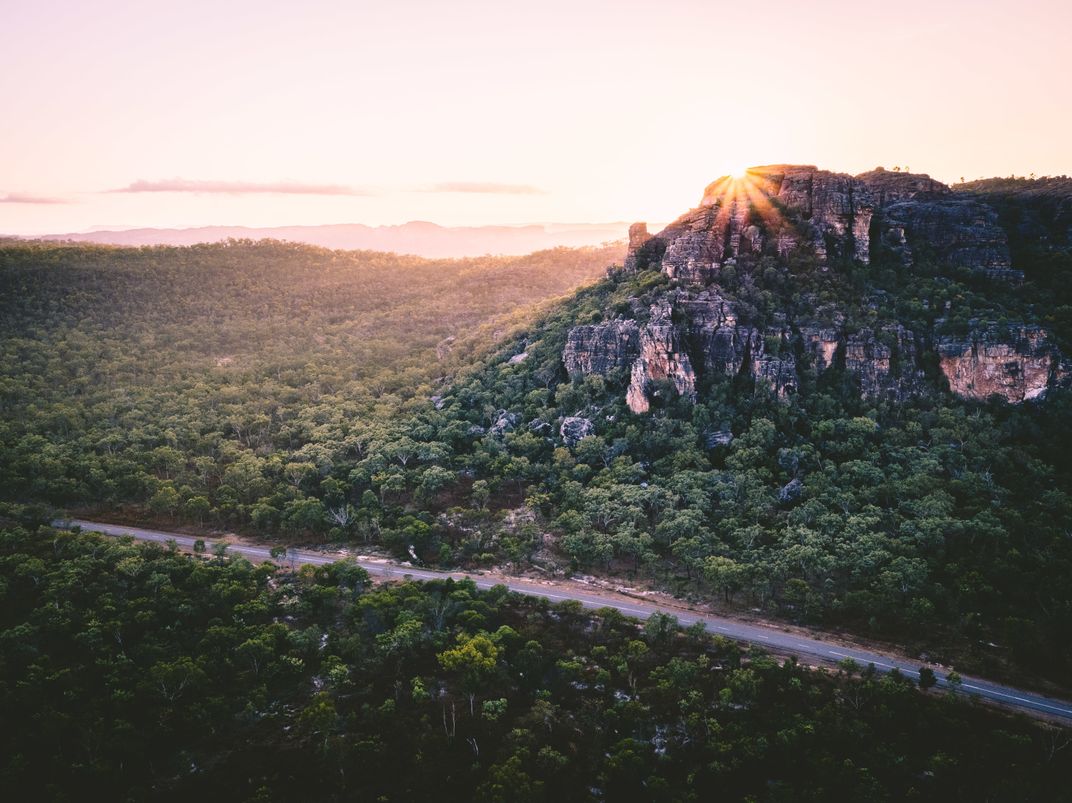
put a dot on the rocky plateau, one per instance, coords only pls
(783, 212)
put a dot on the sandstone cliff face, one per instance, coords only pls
(696, 246)
(777, 211)
(821, 345)
(1018, 366)
(887, 363)
(779, 373)
(714, 335)
(958, 233)
(780, 209)
(836, 207)
(601, 348)
(661, 358)
(889, 187)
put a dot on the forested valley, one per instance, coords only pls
(236, 384)
(421, 409)
(134, 672)
(304, 395)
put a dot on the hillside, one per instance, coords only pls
(837, 401)
(197, 380)
(840, 399)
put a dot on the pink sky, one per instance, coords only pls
(473, 112)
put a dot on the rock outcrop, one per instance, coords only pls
(714, 440)
(714, 334)
(791, 491)
(505, 421)
(892, 186)
(662, 357)
(1018, 366)
(638, 237)
(835, 207)
(820, 345)
(781, 209)
(601, 348)
(779, 373)
(696, 246)
(955, 233)
(887, 363)
(574, 428)
(779, 213)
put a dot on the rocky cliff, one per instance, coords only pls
(1018, 365)
(781, 213)
(602, 348)
(779, 209)
(958, 233)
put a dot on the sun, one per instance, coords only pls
(734, 169)
(740, 197)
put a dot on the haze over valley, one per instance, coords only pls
(418, 238)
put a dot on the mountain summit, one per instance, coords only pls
(752, 238)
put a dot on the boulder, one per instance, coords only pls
(791, 491)
(574, 428)
(714, 440)
(505, 421)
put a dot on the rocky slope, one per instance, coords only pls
(777, 214)
(1038, 211)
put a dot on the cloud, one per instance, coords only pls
(24, 198)
(485, 187)
(241, 187)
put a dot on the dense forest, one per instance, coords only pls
(134, 672)
(302, 394)
(211, 382)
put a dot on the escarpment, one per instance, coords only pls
(1018, 365)
(793, 215)
(779, 209)
(661, 358)
(960, 233)
(601, 348)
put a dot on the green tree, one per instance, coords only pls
(474, 659)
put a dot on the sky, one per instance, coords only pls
(123, 114)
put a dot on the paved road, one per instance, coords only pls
(772, 638)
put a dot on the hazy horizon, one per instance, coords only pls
(417, 238)
(253, 114)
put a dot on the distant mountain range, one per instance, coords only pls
(416, 237)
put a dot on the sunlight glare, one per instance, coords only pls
(732, 168)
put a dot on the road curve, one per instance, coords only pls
(771, 638)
